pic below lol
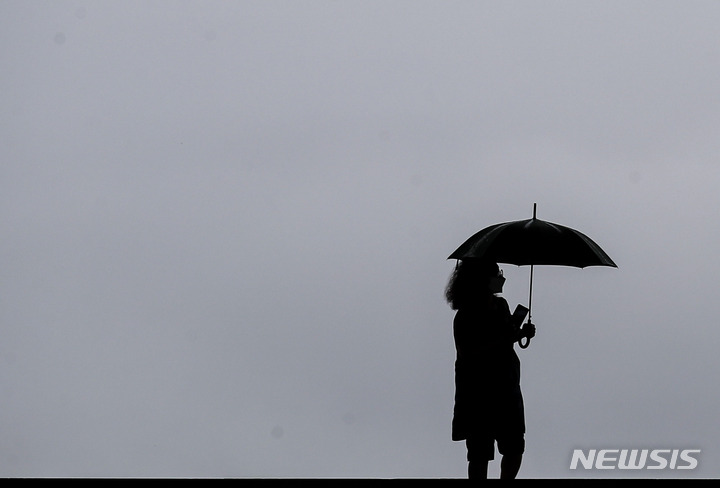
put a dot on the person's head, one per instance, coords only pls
(471, 280)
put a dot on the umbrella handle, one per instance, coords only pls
(527, 339)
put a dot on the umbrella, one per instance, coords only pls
(531, 242)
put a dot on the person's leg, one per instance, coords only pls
(510, 465)
(479, 453)
(511, 447)
(477, 470)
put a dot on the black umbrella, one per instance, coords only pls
(531, 242)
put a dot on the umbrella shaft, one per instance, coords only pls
(532, 268)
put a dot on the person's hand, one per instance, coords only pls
(528, 330)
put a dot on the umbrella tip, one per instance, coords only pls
(534, 210)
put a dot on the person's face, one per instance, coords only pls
(497, 282)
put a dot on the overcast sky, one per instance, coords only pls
(225, 227)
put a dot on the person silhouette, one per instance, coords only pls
(488, 407)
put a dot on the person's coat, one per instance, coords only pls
(488, 399)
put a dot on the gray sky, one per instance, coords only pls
(225, 227)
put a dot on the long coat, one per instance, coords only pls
(488, 400)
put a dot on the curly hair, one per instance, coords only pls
(469, 278)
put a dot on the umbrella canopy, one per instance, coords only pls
(531, 242)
